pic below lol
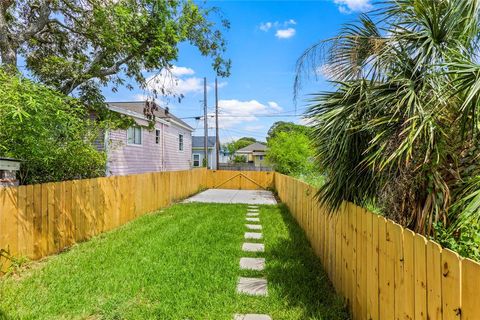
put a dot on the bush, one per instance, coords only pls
(50, 132)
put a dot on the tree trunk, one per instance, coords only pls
(8, 55)
(8, 45)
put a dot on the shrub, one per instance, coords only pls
(51, 133)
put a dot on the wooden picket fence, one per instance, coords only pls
(38, 220)
(382, 270)
(243, 180)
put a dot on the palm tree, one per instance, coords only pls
(401, 127)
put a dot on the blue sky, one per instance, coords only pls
(264, 42)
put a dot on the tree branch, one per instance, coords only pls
(37, 25)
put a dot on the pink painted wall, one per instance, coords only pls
(123, 158)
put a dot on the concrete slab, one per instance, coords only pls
(252, 210)
(257, 264)
(254, 226)
(252, 219)
(234, 196)
(253, 235)
(251, 316)
(250, 206)
(252, 286)
(253, 247)
(252, 214)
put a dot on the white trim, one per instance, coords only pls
(142, 117)
(199, 160)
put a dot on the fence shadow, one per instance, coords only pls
(300, 277)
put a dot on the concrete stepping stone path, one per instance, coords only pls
(252, 286)
(251, 316)
(253, 235)
(253, 247)
(257, 264)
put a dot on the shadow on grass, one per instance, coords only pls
(299, 276)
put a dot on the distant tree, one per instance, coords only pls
(283, 126)
(81, 45)
(290, 153)
(243, 142)
(50, 132)
(239, 159)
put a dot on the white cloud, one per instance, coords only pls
(282, 30)
(266, 26)
(178, 80)
(349, 6)
(181, 71)
(234, 112)
(290, 22)
(274, 106)
(285, 33)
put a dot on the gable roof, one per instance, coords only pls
(256, 146)
(138, 106)
(198, 142)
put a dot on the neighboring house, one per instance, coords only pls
(166, 147)
(198, 152)
(254, 153)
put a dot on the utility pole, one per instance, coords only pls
(217, 142)
(205, 140)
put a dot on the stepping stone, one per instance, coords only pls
(253, 247)
(253, 206)
(252, 214)
(251, 316)
(253, 210)
(254, 226)
(252, 286)
(253, 219)
(253, 235)
(257, 264)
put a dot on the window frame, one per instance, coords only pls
(158, 135)
(137, 133)
(181, 142)
(193, 160)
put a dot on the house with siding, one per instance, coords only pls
(165, 147)
(254, 154)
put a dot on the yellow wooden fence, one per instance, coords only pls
(38, 220)
(246, 180)
(384, 271)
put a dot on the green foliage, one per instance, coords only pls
(282, 126)
(51, 133)
(72, 45)
(290, 152)
(243, 142)
(465, 240)
(239, 159)
(400, 130)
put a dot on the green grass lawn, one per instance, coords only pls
(182, 263)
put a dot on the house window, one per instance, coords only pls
(260, 157)
(196, 160)
(157, 136)
(180, 142)
(134, 135)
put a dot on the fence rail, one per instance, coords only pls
(38, 220)
(384, 271)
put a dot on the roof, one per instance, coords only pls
(138, 107)
(199, 142)
(257, 146)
